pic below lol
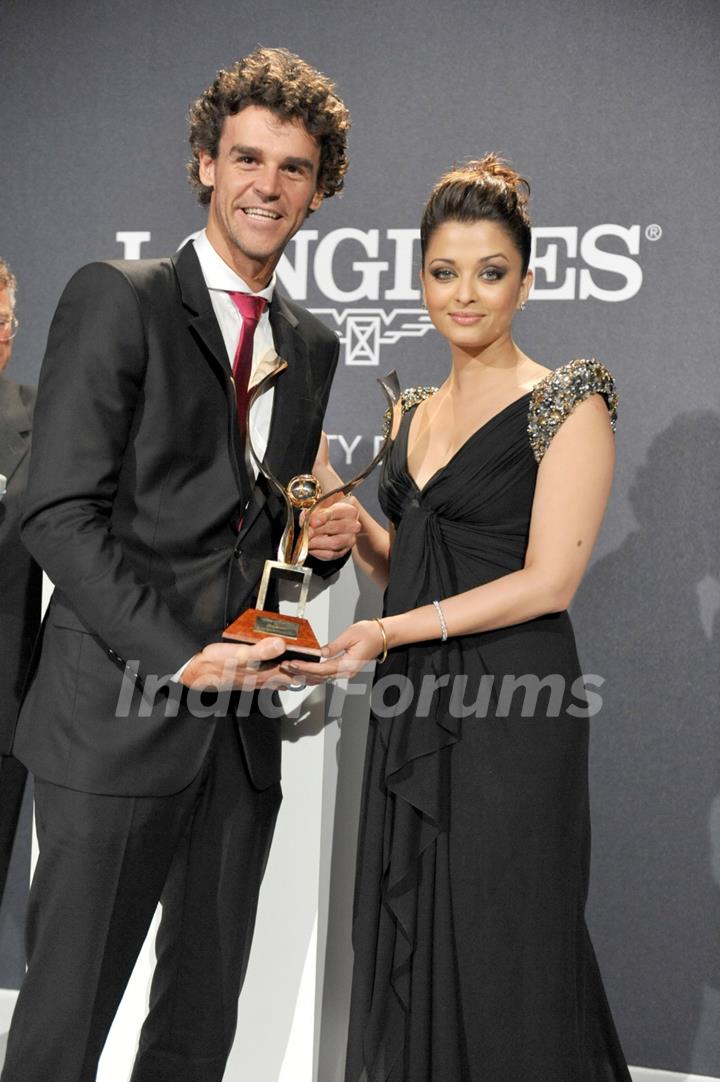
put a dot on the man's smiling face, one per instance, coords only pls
(264, 181)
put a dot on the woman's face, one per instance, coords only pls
(473, 284)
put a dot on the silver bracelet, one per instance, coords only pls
(441, 618)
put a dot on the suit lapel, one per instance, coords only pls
(195, 298)
(15, 428)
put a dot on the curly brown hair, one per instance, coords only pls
(485, 190)
(290, 88)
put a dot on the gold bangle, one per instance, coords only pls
(382, 656)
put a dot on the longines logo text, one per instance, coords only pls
(568, 265)
(363, 282)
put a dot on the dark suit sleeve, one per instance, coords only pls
(90, 386)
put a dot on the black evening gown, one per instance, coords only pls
(472, 959)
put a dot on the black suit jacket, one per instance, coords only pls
(135, 489)
(20, 576)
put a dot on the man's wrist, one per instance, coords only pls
(176, 678)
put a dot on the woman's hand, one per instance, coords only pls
(356, 648)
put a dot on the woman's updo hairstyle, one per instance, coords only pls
(485, 190)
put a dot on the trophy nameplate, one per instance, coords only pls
(302, 494)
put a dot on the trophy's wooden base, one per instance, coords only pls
(257, 624)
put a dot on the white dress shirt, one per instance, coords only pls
(221, 280)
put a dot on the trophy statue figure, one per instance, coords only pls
(302, 495)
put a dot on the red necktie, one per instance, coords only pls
(250, 308)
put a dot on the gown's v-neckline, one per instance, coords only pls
(476, 432)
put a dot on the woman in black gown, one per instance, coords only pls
(472, 959)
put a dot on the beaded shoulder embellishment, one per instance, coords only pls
(555, 397)
(409, 398)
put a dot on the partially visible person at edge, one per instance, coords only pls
(144, 509)
(20, 576)
(472, 958)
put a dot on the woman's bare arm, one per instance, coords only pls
(573, 486)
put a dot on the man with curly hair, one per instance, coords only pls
(145, 510)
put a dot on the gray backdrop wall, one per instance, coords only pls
(610, 108)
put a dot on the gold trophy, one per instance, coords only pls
(301, 494)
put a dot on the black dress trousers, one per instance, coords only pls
(105, 862)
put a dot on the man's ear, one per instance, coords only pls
(316, 200)
(206, 163)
